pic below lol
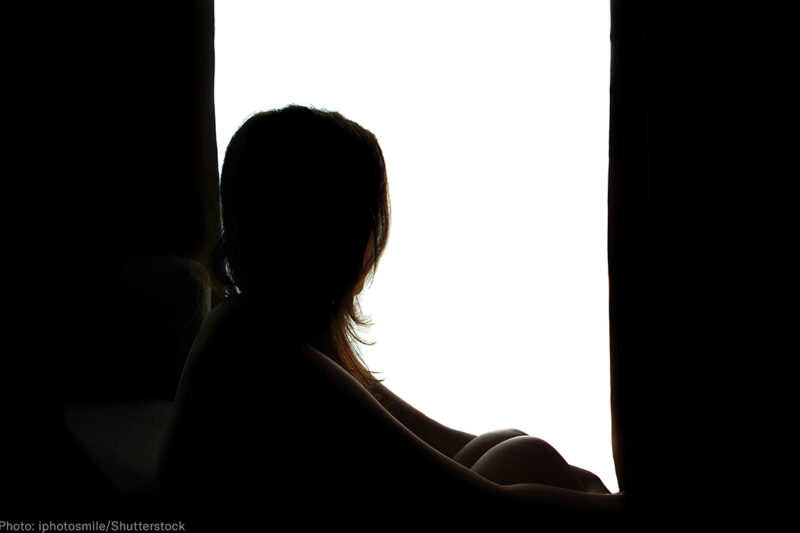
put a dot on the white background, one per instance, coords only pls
(491, 302)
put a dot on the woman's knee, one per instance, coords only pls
(526, 459)
(481, 444)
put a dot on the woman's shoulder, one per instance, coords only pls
(235, 315)
(255, 368)
(243, 349)
(266, 401)
(239, 325)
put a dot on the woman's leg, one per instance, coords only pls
(525, 459)
(481, 444)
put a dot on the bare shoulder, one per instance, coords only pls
(237, 336)
(244, 358)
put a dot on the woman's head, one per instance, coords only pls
(305, 213)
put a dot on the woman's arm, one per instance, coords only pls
(438, 436)
(465, 448)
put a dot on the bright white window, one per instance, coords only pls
(491, 302)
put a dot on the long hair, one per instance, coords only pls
(305, 220)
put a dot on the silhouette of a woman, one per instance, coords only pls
(274, 396)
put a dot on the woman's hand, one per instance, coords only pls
(590, 481)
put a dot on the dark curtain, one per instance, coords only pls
(113, 196)
(120, 179)
(702, 164)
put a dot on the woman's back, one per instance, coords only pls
(265, 422)
(267, 427)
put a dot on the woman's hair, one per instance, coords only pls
(305, 219)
